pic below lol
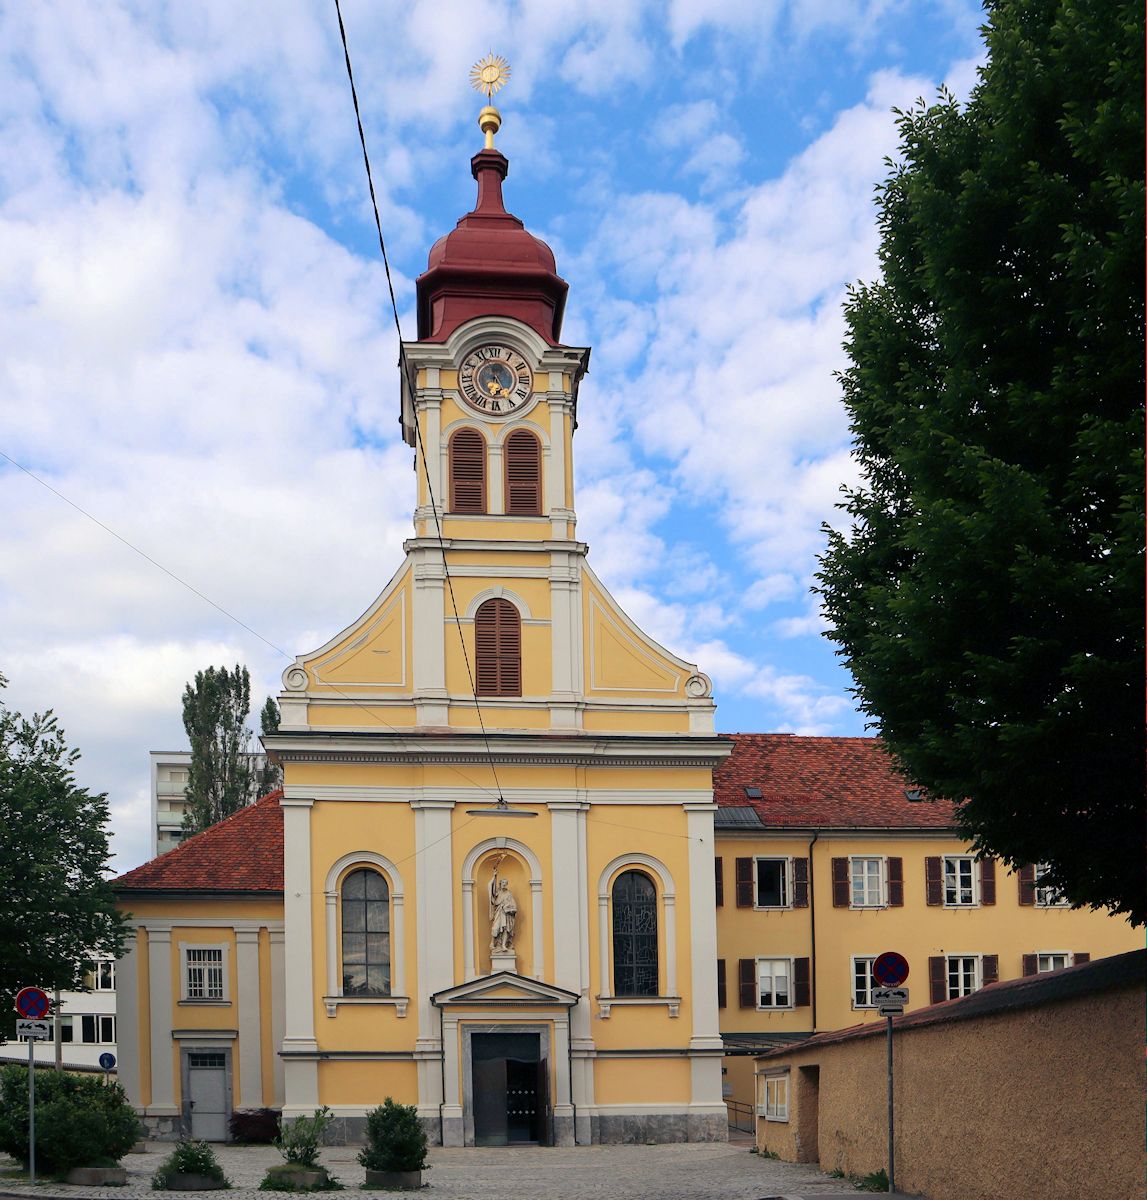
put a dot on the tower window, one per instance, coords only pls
(523, 455)
(498, 649)
(467, 456)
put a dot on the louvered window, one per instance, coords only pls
(634, 935)
(498, 649)
(523, 457)
(467, 472)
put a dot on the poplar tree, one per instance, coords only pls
(215, 710)
(988, 595)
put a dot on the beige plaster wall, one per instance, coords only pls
(1037, 1101)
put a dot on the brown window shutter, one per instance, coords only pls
(1080, 957)
(987, 881)
(1031, 964)
(467, 455)
(721, 995)
(938, 978)
(801, 986)
(719, 880)
(933, 881)
(523, 456)
(990, 969)
(800, 883)
(745, 888)
(840, 883)
(747, 976)
(896, 883)
(1027, 884)
(498, 649)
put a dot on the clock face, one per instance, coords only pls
(495, 379)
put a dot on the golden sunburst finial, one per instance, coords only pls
(489, 75)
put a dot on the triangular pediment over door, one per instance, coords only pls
(504, 989)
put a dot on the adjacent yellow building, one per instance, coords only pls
(513, 876)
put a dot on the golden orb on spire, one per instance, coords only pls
(489, 75)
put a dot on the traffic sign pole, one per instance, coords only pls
(891, 1126)
(32, 1111)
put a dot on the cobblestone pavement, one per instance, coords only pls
(691, 1171)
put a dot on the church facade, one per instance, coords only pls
(491, 885)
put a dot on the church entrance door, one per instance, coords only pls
(511, 1090)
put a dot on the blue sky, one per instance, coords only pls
(196, 348)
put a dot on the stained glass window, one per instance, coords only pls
(365, 934)
(634, 935)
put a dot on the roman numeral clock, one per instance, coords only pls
(495, 379)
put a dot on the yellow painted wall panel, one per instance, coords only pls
(361, 714)
(374, 655)
(366, 1084)
(635, 720)
(642, 1080)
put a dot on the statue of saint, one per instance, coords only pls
(503, 915)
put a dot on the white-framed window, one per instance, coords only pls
(965, 975)
(862, 981)
(96, 1029)
(867, 878)
(204, 972)
(774, 983)
(773, 883)
(776, 1097)
(103, 975)
(1047, 896)
(1053, 960)
(961, 888)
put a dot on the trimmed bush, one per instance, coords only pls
(188, 1158)
(255, 1126)
(80, 1120)
(395, 1139)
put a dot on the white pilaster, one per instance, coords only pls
(495, 490)
(162, 1056)
(127, 1019)
(469, 970)
(429, 652)
(430, 401)
(300, 1077)
(278, 1012)
(250, 1018)
(706, 1034)
(565, 640)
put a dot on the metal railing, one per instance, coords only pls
(741, 1117)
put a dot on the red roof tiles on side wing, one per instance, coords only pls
(243, 853)
(831, 782)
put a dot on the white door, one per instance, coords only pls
(207, 1091)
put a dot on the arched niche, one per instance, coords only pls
(522, 868)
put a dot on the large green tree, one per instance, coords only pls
(57, 905)
(988, 594)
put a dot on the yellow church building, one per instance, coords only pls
(513, 876)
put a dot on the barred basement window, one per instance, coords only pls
(523, 455)
(365, 934)
(467, 455)
(498, 649)
(634, 935)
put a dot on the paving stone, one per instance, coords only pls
(681, 1171)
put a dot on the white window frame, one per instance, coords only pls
(185, 996)
(959, 860)
(102, 1026)
(789, 977)
(881, 900)
(786, 882)
(1067, 956)
(977, 961)
(774, 1104)
(857, 959)
(1047, 896)
(99, 963)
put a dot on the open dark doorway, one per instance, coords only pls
(511, 1089)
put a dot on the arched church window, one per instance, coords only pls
(634, 935)
(467, 457)
(365, 934)
(523, 455)
(498, 649)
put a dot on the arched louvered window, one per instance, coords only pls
(467, 471)
(523, 455)
(365, 934)
(634, 935)
(498, 649)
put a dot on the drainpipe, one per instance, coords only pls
(812, 925)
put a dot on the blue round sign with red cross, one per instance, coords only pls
(32, 1003)
(890, 969)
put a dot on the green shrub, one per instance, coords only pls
(300, 1139)
(255, 1126)
(80, 1120)
(188, 1158)
(395, 1140)
(877, 1181)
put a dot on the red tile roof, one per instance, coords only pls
(243, 853)
(832, 782)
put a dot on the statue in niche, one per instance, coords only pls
(503, 914)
